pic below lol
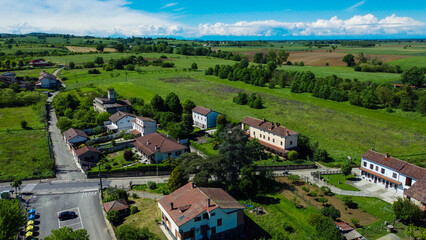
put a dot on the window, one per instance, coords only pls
(377, 168)
(170, 154)
(213, 230)
(291, 142)
(254, 134)
(383, 171)
(281, 143)
(394, 175)
(273, 140)
(263, 136)
(371, 166)
(269, 139)
(205, 216)
(365, 164)
(219, 222)
(408, 181)
(197, 219)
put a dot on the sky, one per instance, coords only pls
(219, 19)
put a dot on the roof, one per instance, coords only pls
(135, 132)
(417, 191)
(402, 167)
(269, 126)
(85, 149)
(148, 143)
(116, 205)
(72, 132)
(119, 115)
(116, 103)
(190, 201)
(343, 226)
(146, 119)
(201, 110)
(47, 75)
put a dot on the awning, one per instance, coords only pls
(380, 176)
(111, 127)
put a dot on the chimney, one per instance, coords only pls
(156, 147)
(147, 142)
(111, 95)
(171, 206)
(192, 185)
(278, 124)
(208, 202)
(288, 133)
(387, 155)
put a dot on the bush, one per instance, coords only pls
(167, 65)
(323, 200)
(128, 155)
(294, 178)
(331, 212)
(313, 193)
(288, 227)
(107, 167)
(24, 124)
(326, 190)
(293, 155)
(151, 185)
(135, 196)
(347, 200)
(93, 71)
(407, 211)
(306, 189)
(113, 217)
(133, 209)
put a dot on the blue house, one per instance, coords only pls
(204, 118)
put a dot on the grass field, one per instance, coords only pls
(342, 129)
(339, 181)
(23, 153)
(88, 49)
(146, 217)
(160, 189)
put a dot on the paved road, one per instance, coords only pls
(66, 166)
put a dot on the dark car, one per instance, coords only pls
(66, 215)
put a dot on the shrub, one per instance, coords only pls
(113, 217)
(93, 71)
(288, 227)
(128, 155)
(293, 155)
(347, 200)
(114, 163)
(167, 65)
(135, 196)
(24, 124)
(313, 194)
(151, 185)
(331, 212)
(407, 211)
(306, 189)
(133, 209)
(294, 178)
(323, 200)
(107, 167)
(326, 190)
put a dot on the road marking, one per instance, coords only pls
(65, 224)
(29, 187)
(81, 219)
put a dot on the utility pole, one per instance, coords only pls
(100, 178)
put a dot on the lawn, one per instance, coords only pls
(23, 153)
(339, 181)
(148, 216)
(161, 188)
(206, 148)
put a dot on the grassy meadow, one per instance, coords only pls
(22, 152)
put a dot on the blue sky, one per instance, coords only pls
(219, 19)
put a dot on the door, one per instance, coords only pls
(387, 184)
(375, 179)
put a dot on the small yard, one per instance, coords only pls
(161, 188)
(206, 148)
(148, 216)
(339, 181)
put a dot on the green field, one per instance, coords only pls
(339, 181)
(23, 153)
(407, 63)
(342, 129)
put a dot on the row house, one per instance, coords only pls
(193, 212)
(274, 137)
(204, 118)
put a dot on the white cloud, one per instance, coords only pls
(169, 5)
(357, 25)
(356, 5)
(81, 17)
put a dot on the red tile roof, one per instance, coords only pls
(119, 115)
(268, 126)
(85, 149)
(116, 205)
(201, 110)
(47, 75)
(72, 132)
(417, 191)
(403, 167)
(146, 119)
(189, 202)
(343, 226)
(164, 144)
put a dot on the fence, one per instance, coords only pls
(136, 173)
(117, 147)
(286, 167)
(104, 138)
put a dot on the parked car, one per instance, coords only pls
(67, 215)
(31, 217)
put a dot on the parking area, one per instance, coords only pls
(74, 223)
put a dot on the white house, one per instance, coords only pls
(157, 147)
(143, 126)
(274, 137)
(392, 173)
(47, 80)
(74, 137)
(191, 212)
(203, 117)
(120, 121)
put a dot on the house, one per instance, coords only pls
(143, 126)
(86, 155)
(417, 193)
(47, 80)
(119, 205)
(74, 137)
(157, 147)
(120, 121)
(348, 232)
(193, 212)
(8, 78)
(39, 63)
(203, 117)
(274, 137)
(394, 174)
(111, 104)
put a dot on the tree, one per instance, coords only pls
(113, 217)
(331, 212)
(64, 123)
(421, 105)
(325, 228)
(248, 183)
(241, 98)
(12, 218)
(256, 149)
(71, 65)
(282, 57)
(406, 211)
(16, 184)
(67, 233)
(100, 47)
(24, 124)
(173, 104)
(177, 179)
(258, 57)
(128, 155)
(99, 60)
(414, 76)
(157, 103)
(119, 47)
(293, 155)
(151, 185)
(368, 98)
(384, 95)
(346, 168)
(187, 106)
(128, 232)
(349, 59)
(194, 66)
(102, 117)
